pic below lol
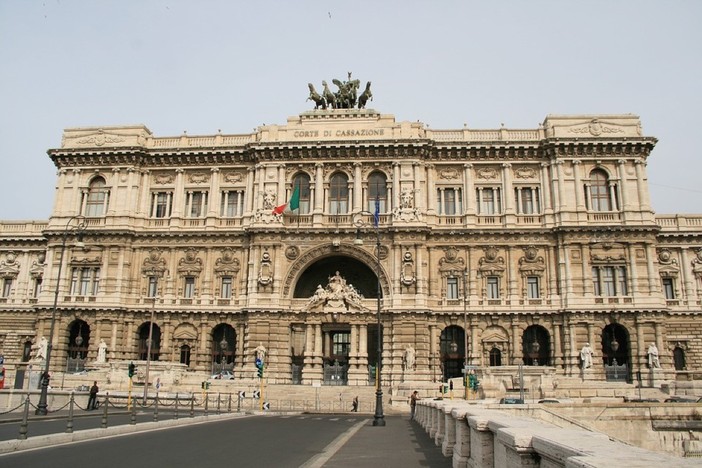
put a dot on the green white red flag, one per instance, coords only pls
(292, 204)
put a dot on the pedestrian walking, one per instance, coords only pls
(92, 399)
(354, 404)
(413, 403)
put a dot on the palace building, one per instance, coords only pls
(308, 242)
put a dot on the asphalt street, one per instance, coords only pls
(303, 440)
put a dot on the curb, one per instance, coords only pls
(16, 445)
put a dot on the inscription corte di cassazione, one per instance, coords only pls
(339, 133)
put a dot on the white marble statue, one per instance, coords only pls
(409, 358)
(653, 357)
(586, 356)
(102, 352)
(40, 349)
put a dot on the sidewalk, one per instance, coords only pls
(401, 443)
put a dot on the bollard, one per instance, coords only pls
(192, 405)
(229, 404)
(103, 423)
(238, 402)
(25, 420)
(156, 408)
(132, 416)
(175, 413)
(69, 423)
(218, 402)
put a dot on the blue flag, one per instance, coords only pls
(376, 215)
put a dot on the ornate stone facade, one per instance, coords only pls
(532, 241)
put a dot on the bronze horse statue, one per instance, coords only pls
(314, 96)
(328, 95)
(365, 96)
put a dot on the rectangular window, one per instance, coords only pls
(196, 204)
(85, 281)
(161, 204)
(153, 287)
(668, 288)
(527, 200)
(6, 287)
(489, 201)
(533, 287)
(449, 201)
(451, 287)
(37, 286)
(189, 289)
(493, 287)
(341, 344)
(609, 281)
(226, 287)
(232, 204)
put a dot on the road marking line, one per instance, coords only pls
(330, 450)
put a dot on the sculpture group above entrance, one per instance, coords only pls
(346, 97)
(337, 296)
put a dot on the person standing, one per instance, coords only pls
(92, 400)
(413, 404)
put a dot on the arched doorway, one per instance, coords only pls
(452, 352)
(185, 355)
(495, 357)
(616, 352)
(355, 273)
(78, 345)
(536, 346)
(144, 342)
(223, 348)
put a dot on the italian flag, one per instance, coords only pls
(291, 205)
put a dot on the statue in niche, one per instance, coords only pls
(653, 361)
(586, 356)
(409, 358)
(40, 349)
(260, 352)
(102, 352)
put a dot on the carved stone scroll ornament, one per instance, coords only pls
(265, 273)
(407, 275)
(154, 264)
(190, 265)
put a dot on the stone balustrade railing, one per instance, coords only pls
(477, 437)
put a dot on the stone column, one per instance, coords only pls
(621, 170)
(641, 186)
(318, 189)
(250, 174)
(430, 195)
(579, 201)
(469, 189)
(418, 201)
(395, 187)
(357, 188)
(508, 197)
(178, 194)
(546, 184)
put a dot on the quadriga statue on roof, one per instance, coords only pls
(346, 97)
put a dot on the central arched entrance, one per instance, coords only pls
(355, 272)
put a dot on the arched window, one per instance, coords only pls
(378, 190)
(302, 183)
(536, 347)
(600, 199)
(95, 200)
(339, 194)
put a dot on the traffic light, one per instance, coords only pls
(260, 367)
(131, 370)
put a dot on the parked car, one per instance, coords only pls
(511, 401)
(679, 399)
(224, 375)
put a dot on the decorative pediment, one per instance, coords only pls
(37, 268)
(154, 264)
(336, 296)
(185, 331)
(190, 265)
(531, 263)
(494, 335)
(227, 265)
(492, 263)
(9, 267)
(451, 262)
(603, 252)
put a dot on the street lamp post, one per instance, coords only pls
(378, 417)
(148, 346)
(465, 335)
(42, 406)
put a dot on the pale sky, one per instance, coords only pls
(200, 66)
